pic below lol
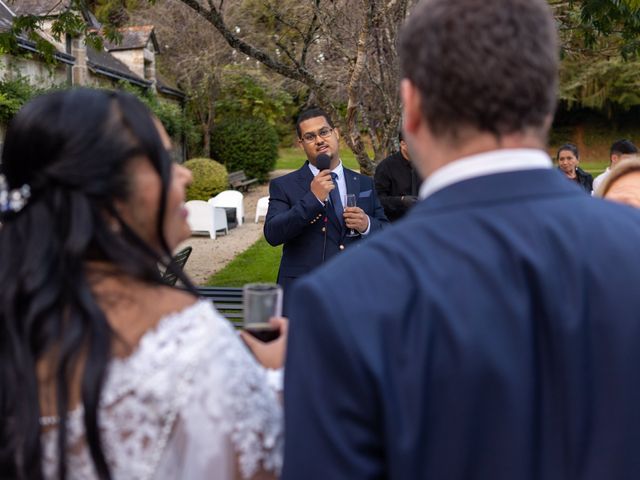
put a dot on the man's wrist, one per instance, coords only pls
(366, 230)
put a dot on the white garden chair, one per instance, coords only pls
(262, 207)
(204, 217)
(230, 199)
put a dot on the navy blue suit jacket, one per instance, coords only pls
(296, 219)
(493, 333)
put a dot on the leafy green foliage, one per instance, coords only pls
(248, 144)
(607, 84)
(170, 115)
(209, 178)
(600, 44)
(14, 93)
(252, 95)
(602, 18)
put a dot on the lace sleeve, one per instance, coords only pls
(234, 392)
(190, 402)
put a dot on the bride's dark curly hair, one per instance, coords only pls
(72, 148)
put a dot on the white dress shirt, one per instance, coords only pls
(488, 163)
(599, 179)
(342, 188)
(342, 185)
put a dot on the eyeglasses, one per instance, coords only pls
(310, 137)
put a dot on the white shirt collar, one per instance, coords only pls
(338, 170)
(496, 161)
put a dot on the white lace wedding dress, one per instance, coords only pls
(190, 403)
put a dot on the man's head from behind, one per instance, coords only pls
(622, 150)
(480, 67)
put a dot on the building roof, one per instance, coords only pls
(6, 18)
(134, 38)
(168, 88)
(39, 7)
(104, 63)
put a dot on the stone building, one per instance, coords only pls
(132, 60)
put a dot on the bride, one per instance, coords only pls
(104, 372)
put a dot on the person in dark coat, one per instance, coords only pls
(397, 182)
(568, 159)
(306, 207)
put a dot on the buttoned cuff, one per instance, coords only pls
(366, 232)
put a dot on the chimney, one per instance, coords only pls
(79, 71)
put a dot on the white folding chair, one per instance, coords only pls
(230, 199)
(203, 217)
(262, 207)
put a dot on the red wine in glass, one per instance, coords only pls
(263, 331)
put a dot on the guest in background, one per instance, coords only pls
(622, 185)
(620, 150)
(397, 182)
(568, 159)
(306, 212)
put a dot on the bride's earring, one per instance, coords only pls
(115, 226)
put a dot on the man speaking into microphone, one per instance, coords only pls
(306, 207)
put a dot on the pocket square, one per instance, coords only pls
(366, 193)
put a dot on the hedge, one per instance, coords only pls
(209, 178)
(246, 144)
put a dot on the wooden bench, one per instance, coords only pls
(227, 300)
(239, 181)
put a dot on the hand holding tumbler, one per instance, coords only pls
(261, 302)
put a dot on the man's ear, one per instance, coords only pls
(337, 133)
(411, 114)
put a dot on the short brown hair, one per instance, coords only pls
(486, 65)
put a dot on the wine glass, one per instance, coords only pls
(261, 302)
(350, 200)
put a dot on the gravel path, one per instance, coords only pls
(209, 256)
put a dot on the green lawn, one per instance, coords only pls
(260, 262)
(257, 264)
(594, 168)
(292, 158)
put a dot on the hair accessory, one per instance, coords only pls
(12, 200)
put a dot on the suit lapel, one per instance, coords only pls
(304, 177)
(352, 181)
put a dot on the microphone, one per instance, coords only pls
(323, 161)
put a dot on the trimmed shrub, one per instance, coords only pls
(209, 178)
(248, 144)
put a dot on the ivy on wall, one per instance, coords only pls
(16, 91)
